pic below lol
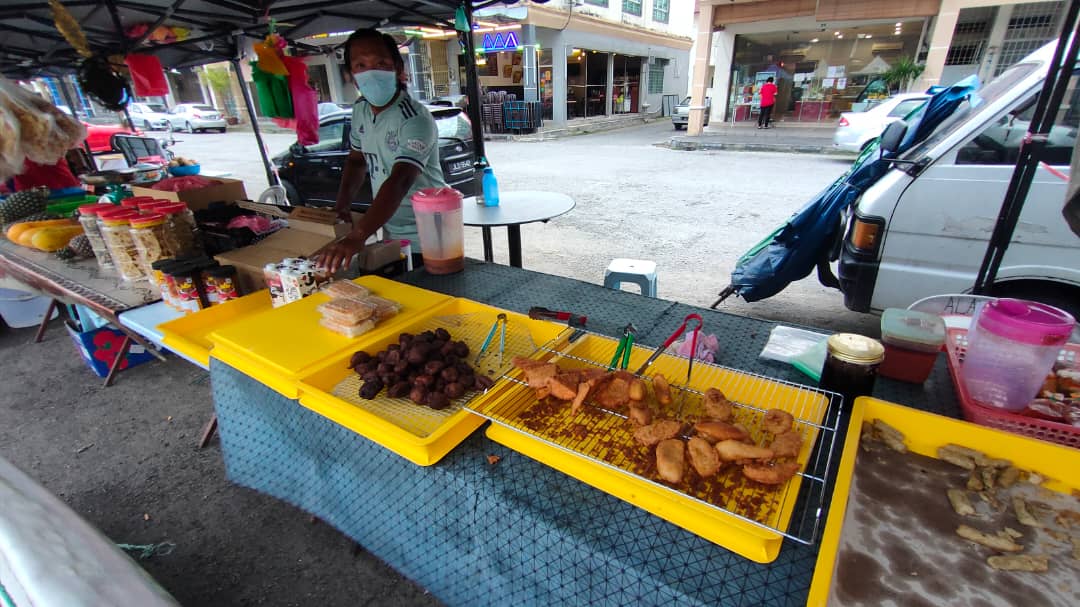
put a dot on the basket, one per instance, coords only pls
(1063, 434)
(184, 171)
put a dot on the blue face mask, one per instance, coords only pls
(377, 86)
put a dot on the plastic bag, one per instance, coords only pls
(147, 77)
(273, 92)
(44, 133)
(805, 350)
(707, 347)
(305, 102)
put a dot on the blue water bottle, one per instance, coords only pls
(491, 188)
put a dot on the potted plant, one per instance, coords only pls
(903, 73)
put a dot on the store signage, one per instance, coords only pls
(498, 42)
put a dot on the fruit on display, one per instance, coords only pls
(180, 161)
(54, 238)
(23, 204)
(80, 245)
(16, 229)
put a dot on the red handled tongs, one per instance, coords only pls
(572, 320)
(674, 336)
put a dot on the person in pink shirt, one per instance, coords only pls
(768, 100)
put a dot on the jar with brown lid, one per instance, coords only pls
(851, 366)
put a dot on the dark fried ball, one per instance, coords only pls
(381, 356)
(451, 360)
(424, 381)
(367, 367)
(385, 368)
(464, 368)
(392, 357)
(418, 353)
(418, 395)
(433, 367)
(454, 390)
(483, 382)
(370, 376)
(461, 349)
(427, 336)
(399, 390)
(370, 389)
(438, 400)
(401, 367)
(359, 358)
(438, 385)
(446, 349)
(449, 374)
(442, 334)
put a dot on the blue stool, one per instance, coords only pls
(636, 271)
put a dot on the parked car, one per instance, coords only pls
(193, 117)
(149, 116)
(311, 174)
(680, 117)
(923, 229)
(99, 136)
(856, 130)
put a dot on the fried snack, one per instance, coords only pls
(637, 390)
(1076, 547)
(787, 444)
(661, 389)
(974, 482)
(1008, 477)
(640, 414)
(960, 502)
(746, 431)
(988, 475)
(964, 457)
(536, 372)
(1022, 513)
(614, 394)
(718, 431)
(738, 451)
(671, 459)
(717, 406)
(657, 431)
(703, 457)
(1004, 544)
(893, 438)
(579, 398)
(777, 421)
(1034, 563)
(773, 473)
(564, 386)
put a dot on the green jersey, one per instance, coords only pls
(404, 131)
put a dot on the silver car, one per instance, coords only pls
(192, 117)
(149, 116)
(856, 130)
(680, 116)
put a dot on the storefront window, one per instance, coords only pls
(818, 74)
(545, 79)
(632, 7)
(597, 2)
(660, 10)
(656, 76)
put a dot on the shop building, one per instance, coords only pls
(829, 56)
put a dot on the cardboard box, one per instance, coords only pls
(316, 220)
(229, 190)
(289, 242)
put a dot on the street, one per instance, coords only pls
(693, 213)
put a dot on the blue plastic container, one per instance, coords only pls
(491, 188)
(184, 171)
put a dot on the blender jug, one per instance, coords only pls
(441, 228)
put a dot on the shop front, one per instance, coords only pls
(819, 71)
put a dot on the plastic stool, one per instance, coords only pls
(636, 271)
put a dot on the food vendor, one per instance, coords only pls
(34, 175)
(394, 139)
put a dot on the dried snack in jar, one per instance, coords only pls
(346, 311)
(347, 289)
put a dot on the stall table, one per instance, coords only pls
(517, 532)
(514, 209)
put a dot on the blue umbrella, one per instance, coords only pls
(792, 251)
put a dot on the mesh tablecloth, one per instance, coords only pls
(516, 532)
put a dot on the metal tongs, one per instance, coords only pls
(626, 345)
(499, 320)
(670, 340)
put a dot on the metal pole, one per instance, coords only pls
(472, 85)
(1049, 100)
(271, 177)
(74, 114)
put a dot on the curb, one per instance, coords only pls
(732, 146)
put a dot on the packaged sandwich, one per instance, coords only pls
(346, 311)
(384, 308)
(346, 329)
(347, 289)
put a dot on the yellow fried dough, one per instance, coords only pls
(671, 460)
(718, 431)
(703, 457)
(734, 451)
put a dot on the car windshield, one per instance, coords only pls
(452, 125)
(157, 107)
(985, 97)
(203, 108)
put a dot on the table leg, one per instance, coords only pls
(45, 322)
(489, 253)
(513, 237)
(120, 356)
(208, 431)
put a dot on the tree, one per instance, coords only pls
(903, 73)
(219, 79)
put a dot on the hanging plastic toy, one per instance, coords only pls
(271, 77)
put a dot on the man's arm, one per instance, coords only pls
(352, 179)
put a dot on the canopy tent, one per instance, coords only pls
(31, 44)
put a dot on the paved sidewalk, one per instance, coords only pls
(783, 136)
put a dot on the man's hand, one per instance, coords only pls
(345, 215)
(337, 255)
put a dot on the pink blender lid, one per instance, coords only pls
(437, 200)
(1027, 322)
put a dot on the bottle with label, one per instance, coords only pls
(478, 179)
(491, 188)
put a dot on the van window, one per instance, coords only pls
(999, 143)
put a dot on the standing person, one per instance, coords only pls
(768, 100)
(393, 139)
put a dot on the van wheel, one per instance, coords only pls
(1060, 296)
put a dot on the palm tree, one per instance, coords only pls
(903, 73)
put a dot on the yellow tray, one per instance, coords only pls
(924, 433)
(417, 433)
(604, 465)
(189, 334)
(278, 345)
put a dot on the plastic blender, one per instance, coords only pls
(442, 229)
(1012, 346)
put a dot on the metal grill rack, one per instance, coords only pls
(605, 437)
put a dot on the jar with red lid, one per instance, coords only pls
(88, 220)
(116, 232)
(148, 234)
(180, 232)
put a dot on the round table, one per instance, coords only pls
(515, 209)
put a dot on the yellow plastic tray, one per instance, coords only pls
(278, 345)
(417, 433)
(189, 334)
(600, 464)
(925, 432)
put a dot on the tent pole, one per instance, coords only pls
(71, 104)
(472, 84)
(271, 177)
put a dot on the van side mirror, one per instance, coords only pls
(893, 136)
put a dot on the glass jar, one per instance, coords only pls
(181, 235)
(851, 366)
(116, 231)
(148, 233)
(88, 219)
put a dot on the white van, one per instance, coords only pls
(923, 229)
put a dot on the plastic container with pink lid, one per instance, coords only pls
(1012, 345)
(442, 229)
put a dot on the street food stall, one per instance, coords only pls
(504, 436)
